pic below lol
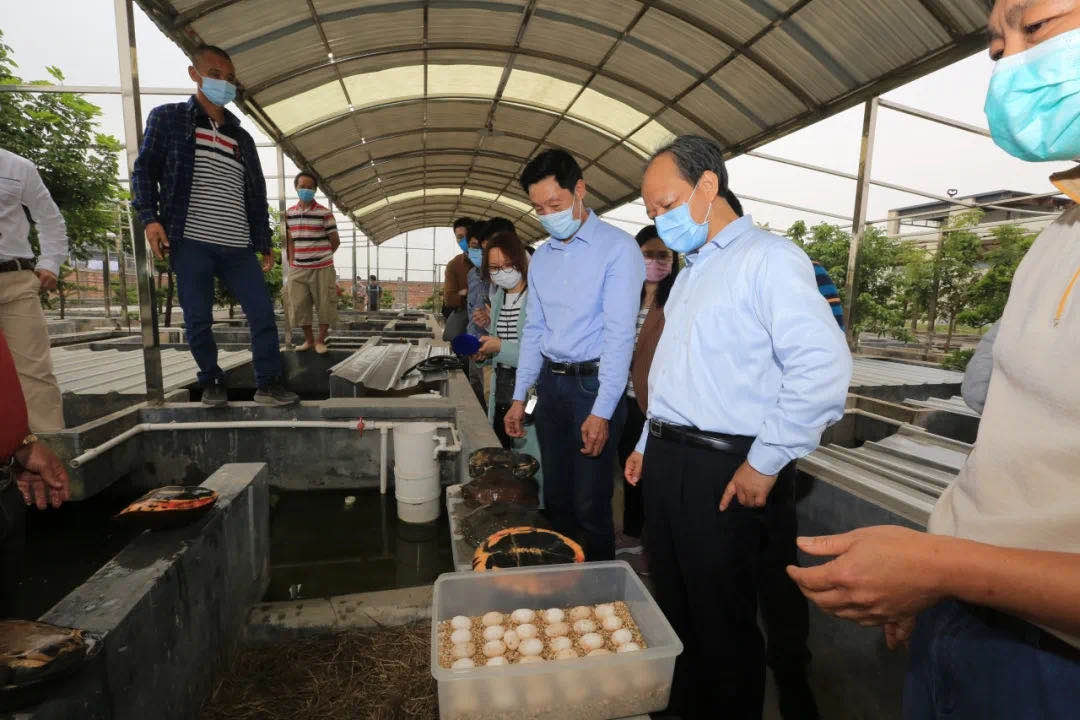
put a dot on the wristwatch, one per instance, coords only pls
(29, 440)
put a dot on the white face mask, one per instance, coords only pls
(506, 279)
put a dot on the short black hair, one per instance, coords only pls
(465, 222)
(203, 49)
(693, 155)
(478, 230)
(733, 202)
(307, 174)
(372, 277)
(495, 225)
(552, 162)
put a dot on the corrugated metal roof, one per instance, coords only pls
(868, 372)
(383, 97)
(92, 372)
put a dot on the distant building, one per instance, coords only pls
(936, 214)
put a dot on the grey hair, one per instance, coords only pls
(693, 155)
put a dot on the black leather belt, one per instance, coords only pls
(581, 369)
(16, 264)
(730, 444)
(1025, 631)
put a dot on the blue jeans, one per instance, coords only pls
(577, 489)
(196, 264)
(963, 667)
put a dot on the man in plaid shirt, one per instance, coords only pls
(198, 189)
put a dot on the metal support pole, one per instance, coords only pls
(121, 263)
(367, 268)
(106, 284)
(862, 201)
(282, 209)
(406, 270)
(132, 107)
(355, 284)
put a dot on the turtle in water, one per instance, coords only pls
(525, 547)
(481, 523)
(522, 465)
(500, 485)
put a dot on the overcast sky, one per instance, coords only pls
(79, 37)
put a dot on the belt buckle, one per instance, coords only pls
(558, 368)
(656, 428)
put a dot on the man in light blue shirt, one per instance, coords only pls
(584, 292)
(750, 369)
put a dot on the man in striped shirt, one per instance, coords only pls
(827, 288)
(198, 188)
(311, 240)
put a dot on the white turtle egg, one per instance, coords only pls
(494, 632)
(557, 629)
(493, 618)
(511, 639)
(460, 636)
(605, 610)
(567, 653)
(554, 615)
(612, 623)
(599, 651)
(494, 648)
(462, 663)
(532, 646)
(526, 659)
(584, 627)
(464, 650)
(522, 616)
(497, 660)
(526, 631)
(581, 612)
(560, 643)
(590, 641)
(629, 647)
(460, 622)
(621, 636)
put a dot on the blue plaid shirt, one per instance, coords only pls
(161, 180)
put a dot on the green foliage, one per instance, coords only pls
(132, 294)
(58, 133)
(428, 304)
(386, 300)
(957, 359)
(986, 300)
(344, 299)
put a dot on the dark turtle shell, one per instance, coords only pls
(169, 506)
(500, 485)
(525, 547)
(522, 465)
(33, 651)
(483, 522)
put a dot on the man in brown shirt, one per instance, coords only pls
(456, 283)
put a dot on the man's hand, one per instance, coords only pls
(47, 279)
(749, 486)
(634, 463)
(36, 492)
(482, 316)
(879, 575)
(514, 420)
(38, 460)
(594, 435)
(268, 263)
(489, 345)
(158, 240)
(463, 292)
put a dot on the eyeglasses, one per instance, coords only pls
(508, 266)
(659, 255)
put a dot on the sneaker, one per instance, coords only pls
(627, 545)
(303, 348)
(215, 393)
(320, 347)
(275, 393)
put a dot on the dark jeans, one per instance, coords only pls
(963, 667)
(196, 264)
(704, 565)
(633, 507)
(503, 378)
(12, 547)
(500, 427)
(577, 489)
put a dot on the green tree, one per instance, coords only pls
(58, 133)
(986, 301)
(961, 251)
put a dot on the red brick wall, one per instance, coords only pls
(418, 291)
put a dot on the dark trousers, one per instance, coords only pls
(577, 488)
(633, 507)
(196, 264)
(964, 665)
(500, 427)
(12, 547)
(704, 566)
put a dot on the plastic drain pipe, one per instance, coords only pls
(383, 426)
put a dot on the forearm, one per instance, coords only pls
(643, 439)
(529, 364)
(1037, 585)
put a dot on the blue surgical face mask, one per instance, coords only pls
(463, 243)
(305, 195)
(219, 92)
(1033, 104)
(561, 225)
(678, 229)
(476, 256)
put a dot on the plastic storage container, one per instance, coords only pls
(591, 688)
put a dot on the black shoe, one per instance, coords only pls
(796, 699)
(275, 393)
(215, 393)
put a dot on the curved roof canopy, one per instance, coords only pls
(412, 112)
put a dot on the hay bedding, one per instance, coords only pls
(382, 674)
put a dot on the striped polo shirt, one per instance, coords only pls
(309, 229)
(216, 212)
(827, 288)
